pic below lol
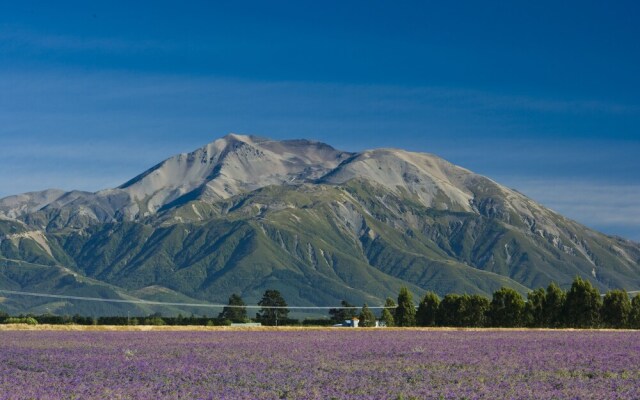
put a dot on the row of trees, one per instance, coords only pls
(349, 311)
(581, 306)
(153, 319)
(274, 311)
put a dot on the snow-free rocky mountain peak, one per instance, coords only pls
(245, 213)
(226, 167)
(238, 164)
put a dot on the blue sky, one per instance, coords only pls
(540, 96)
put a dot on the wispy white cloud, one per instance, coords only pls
(12, 36)
(402, 100)
(120, 103)
(88, 151)
(103, 104)
(600, 205)
(500, 101)
(23, 181)
(95, 130)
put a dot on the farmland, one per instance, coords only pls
(319, 364)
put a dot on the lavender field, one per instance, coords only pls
(320, 364)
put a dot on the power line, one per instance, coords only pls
(162, 303)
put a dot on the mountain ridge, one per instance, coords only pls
(245, 213)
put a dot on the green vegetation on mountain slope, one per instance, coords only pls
(316, 244)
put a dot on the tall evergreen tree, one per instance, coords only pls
(236, 311)
(390, 304)
(406, 311)
(448, 311)
(535, 308)
(507, 308)
(582, 307)
(388, 313)
(273, 309)
(615, 310)
(634, 314)
(473, 310)
(346, 312)
(366, 317)
(554, 306)
(427, 310)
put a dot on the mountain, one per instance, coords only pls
(244, 214)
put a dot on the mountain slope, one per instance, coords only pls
(244, 214)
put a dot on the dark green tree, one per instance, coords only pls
(153, 320)
(615, 310)
(388, 313)
(236, 311)
(390, 304)
(634, 315)
(274, 309)
(507, 308)
(427, 310)
(582, 307)
(535, 309)
(347, 311)
(406, 311)
(367, 317)
(554, 306)
(473, 310)
(448, 311)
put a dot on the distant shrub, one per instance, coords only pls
(406, 310)
(154, 321)
(21, 320)
(317, 322)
